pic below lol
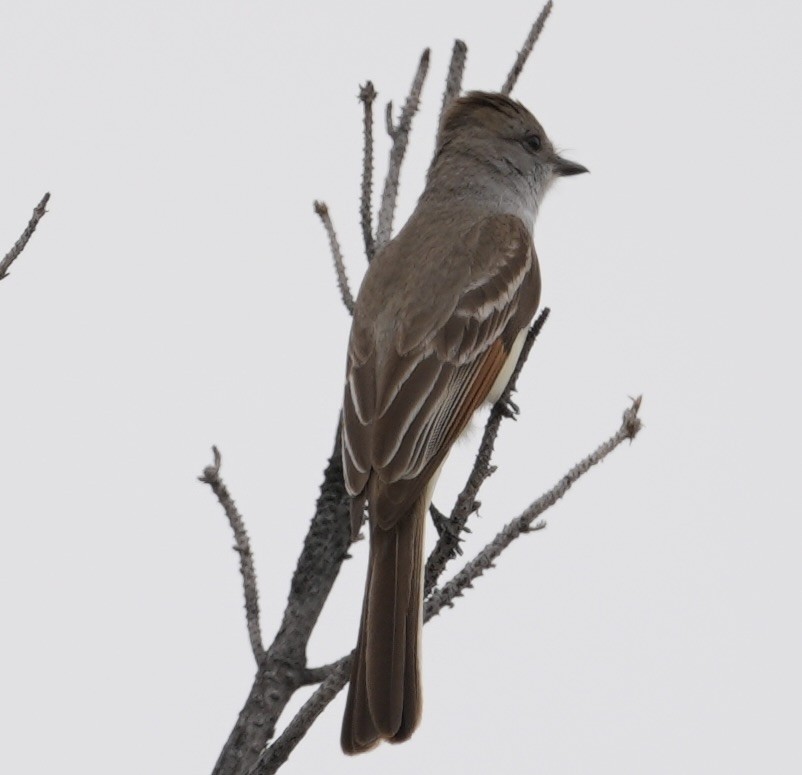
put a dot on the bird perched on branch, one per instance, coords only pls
(437, 330)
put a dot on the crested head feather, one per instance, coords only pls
(488, 110)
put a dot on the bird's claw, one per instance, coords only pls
(508, 408)
(442, 523)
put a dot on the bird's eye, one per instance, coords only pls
(533, 142)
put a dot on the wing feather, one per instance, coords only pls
(410, 393)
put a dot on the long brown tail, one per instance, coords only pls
(384, 698)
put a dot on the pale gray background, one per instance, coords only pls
(653, 627)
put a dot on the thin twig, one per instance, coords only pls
(447, 545)
(339, 265)
(445, 596)
(400, 137)
(524, 53)
(388, 119)
(242, 545)
(314, 675)
(19, 245)
(367, 95)
(276, 754)
(454, 78)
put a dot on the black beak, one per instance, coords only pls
(563, 167)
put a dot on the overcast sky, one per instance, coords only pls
(179, 293)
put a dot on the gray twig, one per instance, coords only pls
(447, 545)
(367, 95)
(339, 265)
(388, 119)
(445, 596)
(19, 245)
(454, 78)
(242, 545)
(524, 53)
(400, 137)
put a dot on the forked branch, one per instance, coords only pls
(630, 426)
(277, 753)
(283, 670)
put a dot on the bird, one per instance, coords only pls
(437, 328)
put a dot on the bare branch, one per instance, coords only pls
(447, 545)
(283, 669)
(630, 426)
(454, 78)
(338, 672)
(367, 94)
(339, 265)
(19, 245)
(242, 545)
(524, 53)
(400, 136)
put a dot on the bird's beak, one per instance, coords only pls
(564, 167)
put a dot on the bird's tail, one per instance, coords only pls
(384, 697)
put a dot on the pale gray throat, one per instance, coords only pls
(494, 187)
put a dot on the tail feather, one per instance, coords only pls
(413, 693)
(384, 698)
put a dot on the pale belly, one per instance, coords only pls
(507, 369)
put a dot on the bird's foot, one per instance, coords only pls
(508, 408)
(443, 524)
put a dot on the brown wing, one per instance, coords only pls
(411, 392)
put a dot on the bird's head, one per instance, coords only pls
(500, 132)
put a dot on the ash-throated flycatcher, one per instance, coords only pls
(438, 327)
